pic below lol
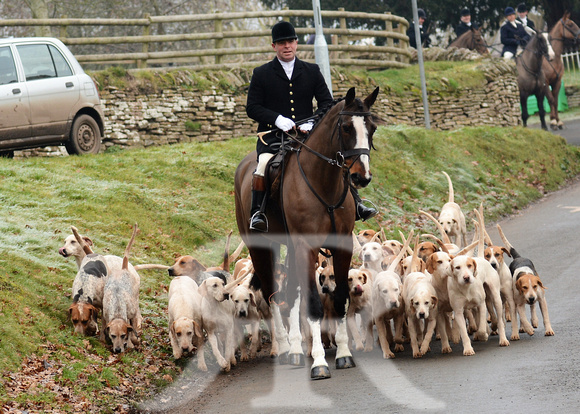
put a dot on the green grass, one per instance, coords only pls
(182, 198)
(445, 77)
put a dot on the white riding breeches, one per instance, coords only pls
(262, 162)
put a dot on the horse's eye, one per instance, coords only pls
(347, 128)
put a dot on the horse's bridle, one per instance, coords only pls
(340, 157)
(564, 28)
(527, 69)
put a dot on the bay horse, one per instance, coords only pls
(313, 208)
(531, 79)
(563, 31)
(472, 40)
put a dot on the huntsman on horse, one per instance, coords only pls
(563, 31)
(311, 208)
(531, 80)
(472, 40)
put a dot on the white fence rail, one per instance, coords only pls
(571, 62)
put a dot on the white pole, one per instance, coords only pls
(320, 46)
(421, 65)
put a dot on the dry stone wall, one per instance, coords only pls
(143, 117)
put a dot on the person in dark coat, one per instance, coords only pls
(512, 34)
(465, 25)
(523, 17)
(280, 95)
(425, 41)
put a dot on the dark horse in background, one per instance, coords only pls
(531, 79)
(472, 40)
(312, 208)
(565, 31)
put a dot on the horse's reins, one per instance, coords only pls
(535, 52)
(343, 155)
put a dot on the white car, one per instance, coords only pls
(46, 98)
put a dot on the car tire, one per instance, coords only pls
(6, 154)
(85, 136)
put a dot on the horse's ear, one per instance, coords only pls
(370, 100)
(350, 95)
(566, 15)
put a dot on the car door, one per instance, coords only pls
(14, 106)
(53, 89)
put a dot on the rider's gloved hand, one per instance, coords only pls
(305, 127)
(285, 124)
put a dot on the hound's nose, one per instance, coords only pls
(422, 315)
(531, 300)
(325, 289)
(395, 304)
(242, 314)
(117, 350)
(466, 279)
(226, 296)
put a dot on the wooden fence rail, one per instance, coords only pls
(227, 46)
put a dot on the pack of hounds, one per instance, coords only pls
(400, 292)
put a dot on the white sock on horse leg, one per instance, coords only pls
(341, 337)
(317, 349)
(295, 336)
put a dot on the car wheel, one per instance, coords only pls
(85, 136)
(6, 154)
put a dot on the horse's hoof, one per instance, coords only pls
(345, 362)
(322, 372)
(283, 358)
(296, 359)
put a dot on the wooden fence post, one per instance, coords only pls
(343, 39)
(218, 27)
(62, 30)
(142, 64)
(389, 28)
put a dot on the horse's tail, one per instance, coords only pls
(451, 194)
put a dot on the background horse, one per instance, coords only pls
(531, 80)
(472, 40)
(314, 208)
(563, 31)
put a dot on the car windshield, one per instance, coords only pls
(43, 61)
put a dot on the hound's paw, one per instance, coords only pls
(504, 342)
(399, 348)
(388, 355)
(515, 337)
(244, 358)
(480, 336)
(417, 354)
(549, 332)
(468, 352)
(360, 346)
(530, 331)
(446, 350)
(368, 349)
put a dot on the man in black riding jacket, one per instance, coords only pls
(280, 94)
(512, 34)
(465, 25)
(523, 17)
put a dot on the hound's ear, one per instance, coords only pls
(202, 289)
(88, 240)
(252, 299)
(172, 328)
(129, 328)
(506, 251)
(430, 266)
(197, 330)
(541, 285)
(433, 301)
(107, 337)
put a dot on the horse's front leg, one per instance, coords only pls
(341, 301)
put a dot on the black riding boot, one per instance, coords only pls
(362, 212)
(258, 221)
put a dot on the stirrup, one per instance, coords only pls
(363, 212)
(259, 222)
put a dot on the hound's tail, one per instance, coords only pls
(86, 248)
(451, 194)
(128, 249)
(507, 244)
(444, 235)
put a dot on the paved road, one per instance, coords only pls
(571, 131)
(535, 374)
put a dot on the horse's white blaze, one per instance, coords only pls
(294, 335)
(341, 337)
(550, 50)
(281, 334)
(362, 141)
(317, 348)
